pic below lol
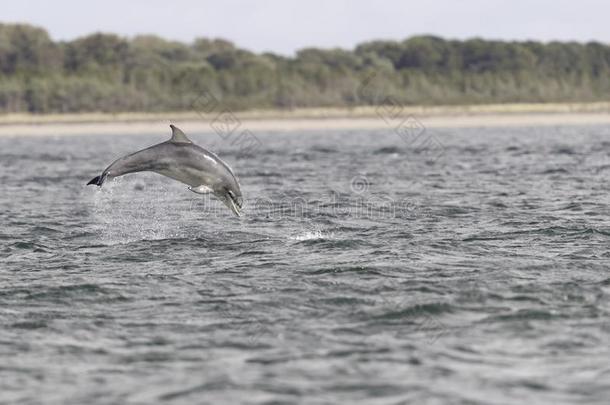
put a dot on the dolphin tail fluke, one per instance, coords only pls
(98, 181)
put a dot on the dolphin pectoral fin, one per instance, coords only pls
(201, 189)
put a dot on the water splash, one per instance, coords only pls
(312, 235)
(127, 211)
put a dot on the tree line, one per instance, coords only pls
(106, 72)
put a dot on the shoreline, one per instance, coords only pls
(371, 118)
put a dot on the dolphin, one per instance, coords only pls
(180, 159)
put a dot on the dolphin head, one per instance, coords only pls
(231, 196)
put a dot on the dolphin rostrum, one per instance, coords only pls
(180, 159)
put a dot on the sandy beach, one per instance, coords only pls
(308, 119)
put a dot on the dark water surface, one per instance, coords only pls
(362, 272)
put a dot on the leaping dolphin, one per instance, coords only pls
(180, 159)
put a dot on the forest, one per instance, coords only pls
(109, 73)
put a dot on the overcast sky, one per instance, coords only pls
(283, 26)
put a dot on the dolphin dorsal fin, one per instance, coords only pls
(178, 136)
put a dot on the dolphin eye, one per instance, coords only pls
(231, 194)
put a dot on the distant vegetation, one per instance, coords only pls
(105, 72)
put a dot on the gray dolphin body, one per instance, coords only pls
(180, 159)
